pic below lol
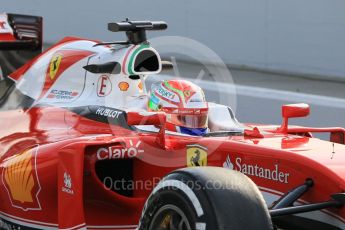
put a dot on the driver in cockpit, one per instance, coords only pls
(184, 104)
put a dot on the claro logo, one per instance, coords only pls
(118, 152)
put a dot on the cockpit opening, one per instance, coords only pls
(146, 61)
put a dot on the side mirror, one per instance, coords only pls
(149, 118)
(337, 137)
(295, 110)
(291, 111)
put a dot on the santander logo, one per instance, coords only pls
(270, 173)
(227, 164)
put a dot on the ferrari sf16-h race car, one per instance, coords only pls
(74, 123)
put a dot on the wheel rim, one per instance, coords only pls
(170, 217)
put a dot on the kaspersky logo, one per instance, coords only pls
(21, 181)
(164, 93)
(59, 63)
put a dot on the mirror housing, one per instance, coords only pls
(149, 118)
(337, 137)
(295, 110)
(292, 111)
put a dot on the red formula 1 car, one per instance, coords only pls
(79, 150)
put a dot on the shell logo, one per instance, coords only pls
(21, 181)
(140, 86)
(123, 86)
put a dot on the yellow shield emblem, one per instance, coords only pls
(54, 65)
(196, 155)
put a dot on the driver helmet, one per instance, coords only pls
(184, 104)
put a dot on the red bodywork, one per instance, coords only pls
(56, 147)
(63, 167)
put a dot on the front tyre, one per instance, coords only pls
(205, 198)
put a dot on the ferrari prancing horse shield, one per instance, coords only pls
(196, 155)
(54, 65)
